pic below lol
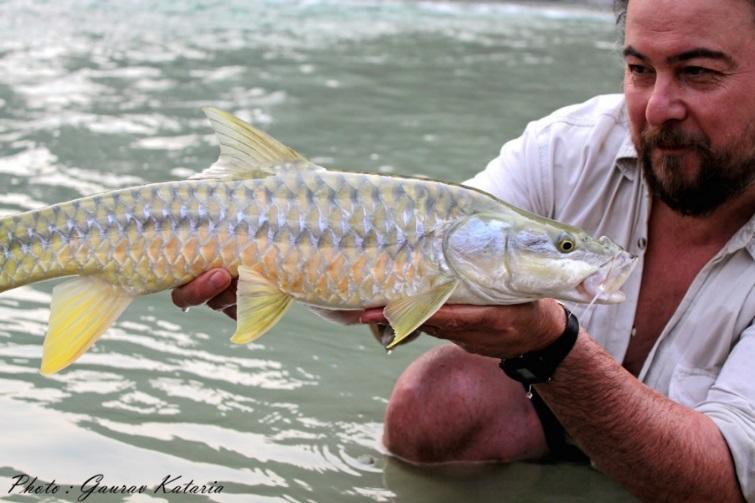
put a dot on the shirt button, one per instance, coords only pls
(642, 243)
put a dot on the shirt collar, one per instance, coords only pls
(745, 238)
(626, 156)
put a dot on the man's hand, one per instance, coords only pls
(216, 288)
(497, 331)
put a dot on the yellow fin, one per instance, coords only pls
(259, 306)
(384, 334)
(407, 314)
(246, 152)
(80, 312)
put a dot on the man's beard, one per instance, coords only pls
(722, 175)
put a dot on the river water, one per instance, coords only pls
(101, 95)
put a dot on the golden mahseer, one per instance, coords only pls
(292, 230)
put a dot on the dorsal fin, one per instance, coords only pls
(246, 152)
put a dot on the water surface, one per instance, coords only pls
(103, 95)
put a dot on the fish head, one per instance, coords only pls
(516, 257)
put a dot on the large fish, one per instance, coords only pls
(292, 230)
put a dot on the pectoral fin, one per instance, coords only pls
(407, 314)
(81, 310)
(259, 306)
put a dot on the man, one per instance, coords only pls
(658, 391)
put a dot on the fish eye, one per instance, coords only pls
(566, 243)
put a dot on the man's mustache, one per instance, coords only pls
(670, 137)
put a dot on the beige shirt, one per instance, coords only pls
(579, 166)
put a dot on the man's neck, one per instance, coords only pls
(713, 229)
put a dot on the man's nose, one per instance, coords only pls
(665, 103)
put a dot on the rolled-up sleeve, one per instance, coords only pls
(729, 403)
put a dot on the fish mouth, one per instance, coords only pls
(603, 285)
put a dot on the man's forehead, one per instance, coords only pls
(691, 27)
(621, 7)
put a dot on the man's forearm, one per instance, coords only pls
(656, 448)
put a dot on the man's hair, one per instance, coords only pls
(620, 9)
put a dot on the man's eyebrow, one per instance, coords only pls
(700, 52)
(631, 51)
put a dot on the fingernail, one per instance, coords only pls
(218, 279)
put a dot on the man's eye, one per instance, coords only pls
(639, 70)
(699, 75)
(697, 71)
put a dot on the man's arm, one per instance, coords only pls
(656, 448)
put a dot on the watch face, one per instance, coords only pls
(527, 369)
(526, 374)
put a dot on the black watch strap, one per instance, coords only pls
(539, 366)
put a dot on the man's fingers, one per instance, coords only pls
(372, 315)
(450, 314)
(455, 315)
(225, 299)
(203, 288)
(230, 312)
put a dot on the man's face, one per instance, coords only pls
(690, 89)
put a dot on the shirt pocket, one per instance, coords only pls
(689, 385)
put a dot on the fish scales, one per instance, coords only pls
(352, 230)
(334, 252)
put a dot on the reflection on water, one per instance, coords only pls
(97, 96)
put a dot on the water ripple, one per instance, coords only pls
(97, 95)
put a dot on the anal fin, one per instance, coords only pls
(80, 312)
(259, 306)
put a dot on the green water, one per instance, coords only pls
(102, 95)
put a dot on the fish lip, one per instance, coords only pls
(603, 285)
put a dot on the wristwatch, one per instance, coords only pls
(539, 366)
